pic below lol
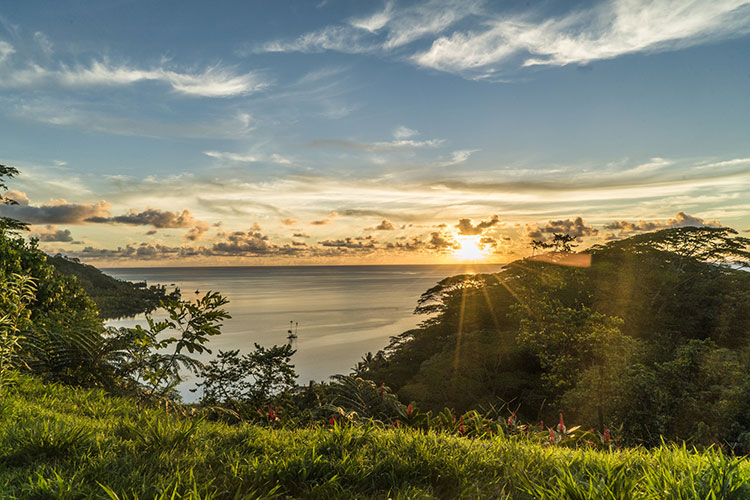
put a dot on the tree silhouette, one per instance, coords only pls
(561, 242)
(8, 223)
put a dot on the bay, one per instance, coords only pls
(342, 312)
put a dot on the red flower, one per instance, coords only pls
(511, 419)
(461, 429)
(607, 438)
(396, 424)
(561, 425)
(331, 421)
(541, 424)
(551, 436)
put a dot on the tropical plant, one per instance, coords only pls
(155, 356)
(17, 293)
(247, 382)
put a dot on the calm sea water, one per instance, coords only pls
(343, 311)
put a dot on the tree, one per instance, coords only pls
(154, 357)
(8, 223)
(250, 381)
(18, 292)
(560, 243)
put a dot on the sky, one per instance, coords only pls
(179, 133)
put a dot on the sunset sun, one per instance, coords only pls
(470, 248)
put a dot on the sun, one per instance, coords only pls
(469, 248)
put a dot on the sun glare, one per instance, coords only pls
(470, 248)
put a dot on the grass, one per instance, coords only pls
(59, 442)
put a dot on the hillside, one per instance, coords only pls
(61, 442)
(114, 298)
(649, 334)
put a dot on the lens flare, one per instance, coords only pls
(470, 248)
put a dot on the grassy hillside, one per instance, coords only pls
(60, 442)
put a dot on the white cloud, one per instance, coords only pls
(43, 42)
(87, 117)
(403, 132)
(345, 38)
(248, 158)
(461, 155)
(609, 30)
(383, 31)
(214, 81)
(376, 21)
(499, 40)
(428, 18)
(233, 156)
(6, 50)
(378, 147)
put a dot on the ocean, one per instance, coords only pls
(342, 311)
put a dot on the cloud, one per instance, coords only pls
(159, 219)
(402, 132)
(681, 219)
(441, 242)
(605, 31)
(249, 158)
(351, 243)
(244, 243)
(375, 21)
(289, 222)
(213, 81)
(301, 235)
(466, 228)
(377, 147)
(55, 212)
(44, 43)
(495, 40)
(380, 32)
(142, 251)
(576, 228)
(88, 116)
(460, 156)
(197, 232)
(6, 50)
(385, 225)
(19, 197)
(51, 233)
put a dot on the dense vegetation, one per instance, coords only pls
(649, 335)
(81, 444)
(114, 298)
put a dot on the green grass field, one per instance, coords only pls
(59, 442)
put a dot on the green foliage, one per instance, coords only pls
(155, 356)
(60, 302)
(114, 298)
(18, 292)
(132, 451)
(610, 339)
(248, 382)
(567, 341)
